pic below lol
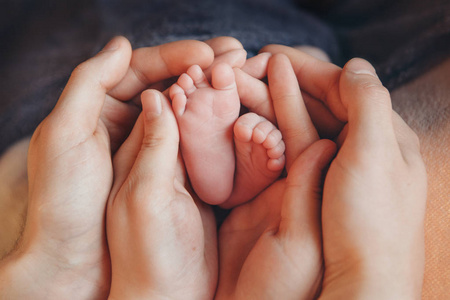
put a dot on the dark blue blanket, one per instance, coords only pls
(41, 41)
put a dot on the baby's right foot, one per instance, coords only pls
(206, 113)
(259, 157)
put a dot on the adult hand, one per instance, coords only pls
(162, 240)
(63, 249)
(374, 198)
(270, 248)
(375, 190)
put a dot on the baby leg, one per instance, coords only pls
(206, 113)
(259, 157)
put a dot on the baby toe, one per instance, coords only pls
(186, 83)
(244, 126)
(276, 164)
(277, 151)
(273, 139)
(174, 90)
(179, 104)
(222, 77)
(262, 131)
(198, 77)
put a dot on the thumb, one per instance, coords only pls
(156, 161)
(82, 99)
(300, 226)
(368, 103)
(300, 214)
(148, 157)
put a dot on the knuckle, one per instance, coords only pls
(152, 141)
(82, 68)
(297, 134)
(374, 90)
(135, 68)
(231, 42)
(292, 134)
(288, 97)
(91, 73)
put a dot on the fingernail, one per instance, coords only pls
(361, 67)
(153, 107)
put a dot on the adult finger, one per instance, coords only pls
(153, 64)
(256, 66)
(84, 95)
(301, 199)
(326, 124)
(157, 158)
(300, 232)
(223, 44)
(253, 92)
(368, 105)
(317, 78)
(292, 117)
(149, 155)
(126, 155)
(254, 95)
(226, 50)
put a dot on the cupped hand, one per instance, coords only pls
(162, 240)
(375, 190)
(374, 198)
(63, 248)
(270, 248)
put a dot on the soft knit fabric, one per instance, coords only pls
(41, 41)
(402, 38)
(44, 40)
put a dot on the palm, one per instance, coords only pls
(70, 168)
(252, 251)
(79, 168)
(188, 237)
(170, 233)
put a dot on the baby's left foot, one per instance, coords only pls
(206, 113)
(259, 157)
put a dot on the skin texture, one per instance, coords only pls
(206, 114)
(70, 172)
(270, 248)
(375, 190)
(171, 235)
(385, 153)
(151, 191)
(245, 155)
(392, 216)
(259, 157)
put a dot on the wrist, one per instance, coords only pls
(36, 275)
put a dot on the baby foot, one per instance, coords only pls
(206, 113)
(259, 157)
